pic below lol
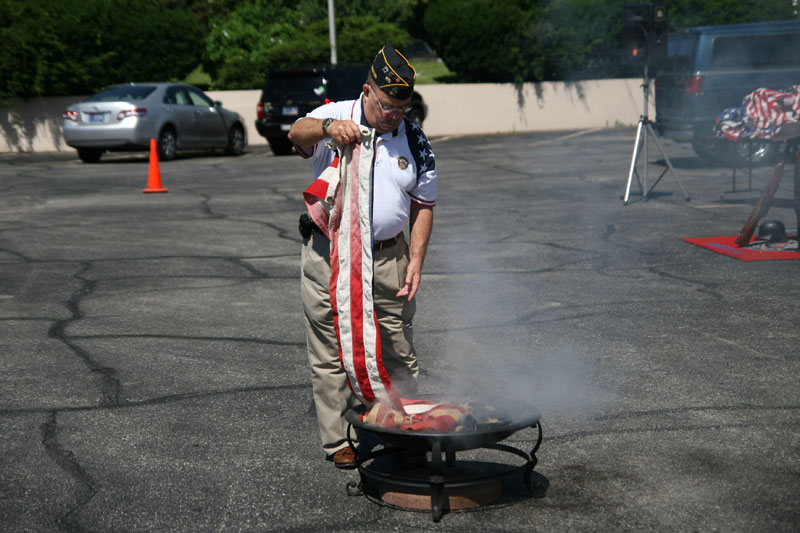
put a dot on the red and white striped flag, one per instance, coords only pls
(347, 200)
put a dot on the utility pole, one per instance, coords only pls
(332, 31)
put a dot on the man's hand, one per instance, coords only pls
(344, 132)
(413, 275)
(421, 223)
(308, 132)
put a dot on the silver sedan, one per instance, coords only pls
(126, 117)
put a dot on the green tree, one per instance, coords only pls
(398, 12)
(536, 40)
(259, 35)
(77, 46)
(238, 39)
(202, 10)
(486, 40)
(577, 39)
(358, 39)
(687, 13)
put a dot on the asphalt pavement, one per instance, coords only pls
(153, 374)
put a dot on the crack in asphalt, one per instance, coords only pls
(579, 435)
(657, 427)
(65, 459)
(238, 261)
(94, 261)
(283, 233)
(253, 340)
(110, 387)
(703, 287)
(699, 408)
(17, 254)
(157, 400)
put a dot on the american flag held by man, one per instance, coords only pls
(359, 275)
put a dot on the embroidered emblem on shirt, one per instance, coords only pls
(402, 162)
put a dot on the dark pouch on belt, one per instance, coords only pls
(306, 225)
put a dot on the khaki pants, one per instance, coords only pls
(332, 396)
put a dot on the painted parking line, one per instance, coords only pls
(715, 206)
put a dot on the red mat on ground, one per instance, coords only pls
(758, 252)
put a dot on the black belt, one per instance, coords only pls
(307, 226)
(388, 243)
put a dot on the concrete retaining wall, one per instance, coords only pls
(35, 125)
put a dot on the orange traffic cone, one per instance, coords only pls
(154, 175)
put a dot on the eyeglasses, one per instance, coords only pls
(388, 110)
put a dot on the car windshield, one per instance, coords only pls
(125, 93)
(287, 87)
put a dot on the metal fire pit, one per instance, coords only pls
(443, 477)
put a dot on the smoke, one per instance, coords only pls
(502, 346)
(554, 380)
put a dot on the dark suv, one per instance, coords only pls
(711, 68)
(290, 94)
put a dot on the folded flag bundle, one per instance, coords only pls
(763, 114)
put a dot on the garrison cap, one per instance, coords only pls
(392, 72)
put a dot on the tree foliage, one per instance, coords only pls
(78, 46)
(577, 38)
(484, 40)
(687, 13)
(398, 12)
(535, 40)
(260, 35)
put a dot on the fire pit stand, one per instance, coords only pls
(443, 476)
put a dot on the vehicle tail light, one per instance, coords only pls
(260, 115)
(695, 85)
(138, 112)
(70, 115)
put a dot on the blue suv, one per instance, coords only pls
(711, 68)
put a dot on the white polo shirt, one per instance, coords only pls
(404, 170)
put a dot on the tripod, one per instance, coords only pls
(644, 129)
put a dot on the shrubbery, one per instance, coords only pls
(63, 47)
(530, 40)
(78, 46)
(238, 62)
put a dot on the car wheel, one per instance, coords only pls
(167, 144)
(280, 146)
(709, 148)
(89, 155)
(756, 153)
(235, 141)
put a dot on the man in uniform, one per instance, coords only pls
(404, 193)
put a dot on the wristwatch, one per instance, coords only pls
(325, 124)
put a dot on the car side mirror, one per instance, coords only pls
(217, 103)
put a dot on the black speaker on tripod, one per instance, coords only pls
(644, 44)
(644, 33)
